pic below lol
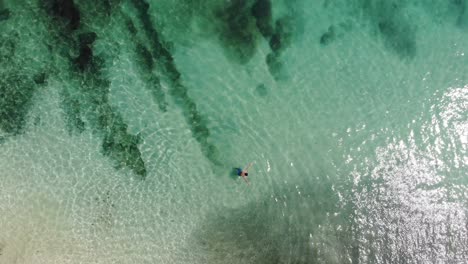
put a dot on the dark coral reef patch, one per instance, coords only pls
(4, 14)
(161, 54)
(389, 20)
(64, 11)
(16, 92)
(92, 94)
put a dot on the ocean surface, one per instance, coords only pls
(121, 123)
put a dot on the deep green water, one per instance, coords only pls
(121, 122)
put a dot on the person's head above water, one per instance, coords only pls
(243, 173)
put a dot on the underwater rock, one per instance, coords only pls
(158, 47)
(122, 147)
(238, 29)
(279, 41)
(328, 36)
(7, 49)
(197, 124)
(152, 81)
(141, 5)
(145, 56)
(274, 65)
(281, 38)
(262, 12)
(16, 92)
(65, 10)
(261, 90)
(4, 14)
(462, 15)
(399, 37)
(275, 42)
(178, 91)
(93, 92)
(241, 23)
(87, 38)
(131, 26)
(390, 22)
(40, 78)
(117, 144)
(142, 9)
(72, 109)
(106, 6)
(335, 31)
(154, 84)
(85, 57)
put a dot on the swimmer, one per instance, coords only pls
(244, 173)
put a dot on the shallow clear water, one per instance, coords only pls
(118, 146)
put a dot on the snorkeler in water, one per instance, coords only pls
(244, 172)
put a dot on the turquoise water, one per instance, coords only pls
(121, 122)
